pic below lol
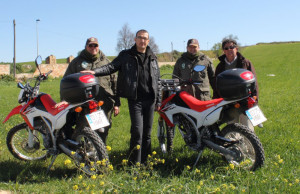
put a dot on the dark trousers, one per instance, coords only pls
(141, 115)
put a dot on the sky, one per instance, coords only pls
(65, 25)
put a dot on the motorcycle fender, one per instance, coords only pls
(212, 117)
(13, 112)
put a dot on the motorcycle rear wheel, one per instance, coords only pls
(92, 150)
(249, 150)
(17, 143)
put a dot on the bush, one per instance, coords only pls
(7, 78)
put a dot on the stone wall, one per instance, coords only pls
(5, 69)
(58, 70)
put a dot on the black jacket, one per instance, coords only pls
(126, 64)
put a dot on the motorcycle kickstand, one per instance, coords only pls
(53, 157)
(199, 155)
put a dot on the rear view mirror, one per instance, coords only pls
(199, 68)
(38, 60)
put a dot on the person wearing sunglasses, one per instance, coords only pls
(184, 69)
(138, 81)
(233, 59)
(92, 57)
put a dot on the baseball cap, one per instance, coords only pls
(91, 40)
(193, 42)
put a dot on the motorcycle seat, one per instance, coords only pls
(49, 104)
(196, 104)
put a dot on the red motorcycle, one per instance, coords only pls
(200, 123)
(49, 130)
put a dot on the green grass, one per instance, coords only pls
(279, 100)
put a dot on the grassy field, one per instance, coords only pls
(277, 67)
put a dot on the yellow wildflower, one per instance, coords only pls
(197, 170)
(163, 161)
(121, 184)
(75, 187)
(280, 161)
(82, 165)
(73, 153)
(232, 186)
(198, 187)
(67, 162)
(124, 161)
(154, 153)
(110, 167)
(138, 164)
(93, 177)
(231, 166)
(134, 178)
(93, 169)
(99, 162)
(92, 163)
(188, 167)
(201, 183)
(101, 183)
(138, 147)
(108, 148)
(149, 156)
(212, 177)
(278, 157)
(297, 181)
(176, 160)
(80, 177)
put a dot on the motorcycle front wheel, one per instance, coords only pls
(165, 136)
(26, 144)
(249, 152)
(91, 150)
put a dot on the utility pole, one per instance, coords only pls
(37, 37)
(172, 51)
(14, 48)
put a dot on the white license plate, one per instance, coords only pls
(97, 120)
(255, 115)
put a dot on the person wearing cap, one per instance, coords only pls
(229, 60)
(138, 81)
(184, 69)
(92, 57)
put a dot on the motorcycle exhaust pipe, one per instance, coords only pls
(67, 151)
(219, 148)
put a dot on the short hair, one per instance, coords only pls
(142, 30)
(228, 40)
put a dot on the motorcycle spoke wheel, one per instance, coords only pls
(249, 153)
(92, 150)
(18, 144)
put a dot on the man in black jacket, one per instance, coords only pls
(138, 76)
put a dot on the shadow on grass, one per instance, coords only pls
(35, 172)
(176, 162)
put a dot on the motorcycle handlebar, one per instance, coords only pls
(177, 82)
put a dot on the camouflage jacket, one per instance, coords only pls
(184, 69)
(108, 84)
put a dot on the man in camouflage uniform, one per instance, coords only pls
(184, 69)
(90, 58)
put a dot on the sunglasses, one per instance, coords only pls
(230, 47)
(93, 45)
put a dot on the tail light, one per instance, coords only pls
(93, 106)
(251, 102)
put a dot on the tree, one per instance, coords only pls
(217, 48)
(126, 38)
(153, 45)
